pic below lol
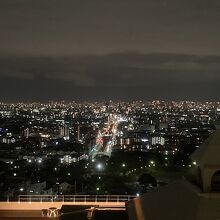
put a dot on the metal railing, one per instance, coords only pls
(75, 198)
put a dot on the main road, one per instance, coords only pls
(106, 138)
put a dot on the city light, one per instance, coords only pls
(99, 166)
(110, 147)
(144, 140)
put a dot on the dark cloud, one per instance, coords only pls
(103, 26)
(117, 76)
(76, 49)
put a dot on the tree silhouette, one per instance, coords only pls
(147, 181)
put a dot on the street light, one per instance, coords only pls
(194, 163)
(99, 166)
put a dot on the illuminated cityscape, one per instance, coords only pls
(98, 148)
(109, 110)
(101, 149)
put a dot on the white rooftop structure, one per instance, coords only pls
(207, 157)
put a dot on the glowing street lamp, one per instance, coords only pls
(99, 166)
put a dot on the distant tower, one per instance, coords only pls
(26, 132)
(66, 132)
(78, 133)
(61, 131)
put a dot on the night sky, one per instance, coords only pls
(118, 49)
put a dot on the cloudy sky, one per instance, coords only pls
(118, 49)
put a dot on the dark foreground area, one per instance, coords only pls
(98, 215)
(20, 218)
(22, 214)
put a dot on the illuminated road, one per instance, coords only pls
(106, 138)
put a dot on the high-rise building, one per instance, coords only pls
(26, 132)
(158, 140)
(64, 130)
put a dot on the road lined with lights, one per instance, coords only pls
(106, 138)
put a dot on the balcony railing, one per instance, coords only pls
(74, 198)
